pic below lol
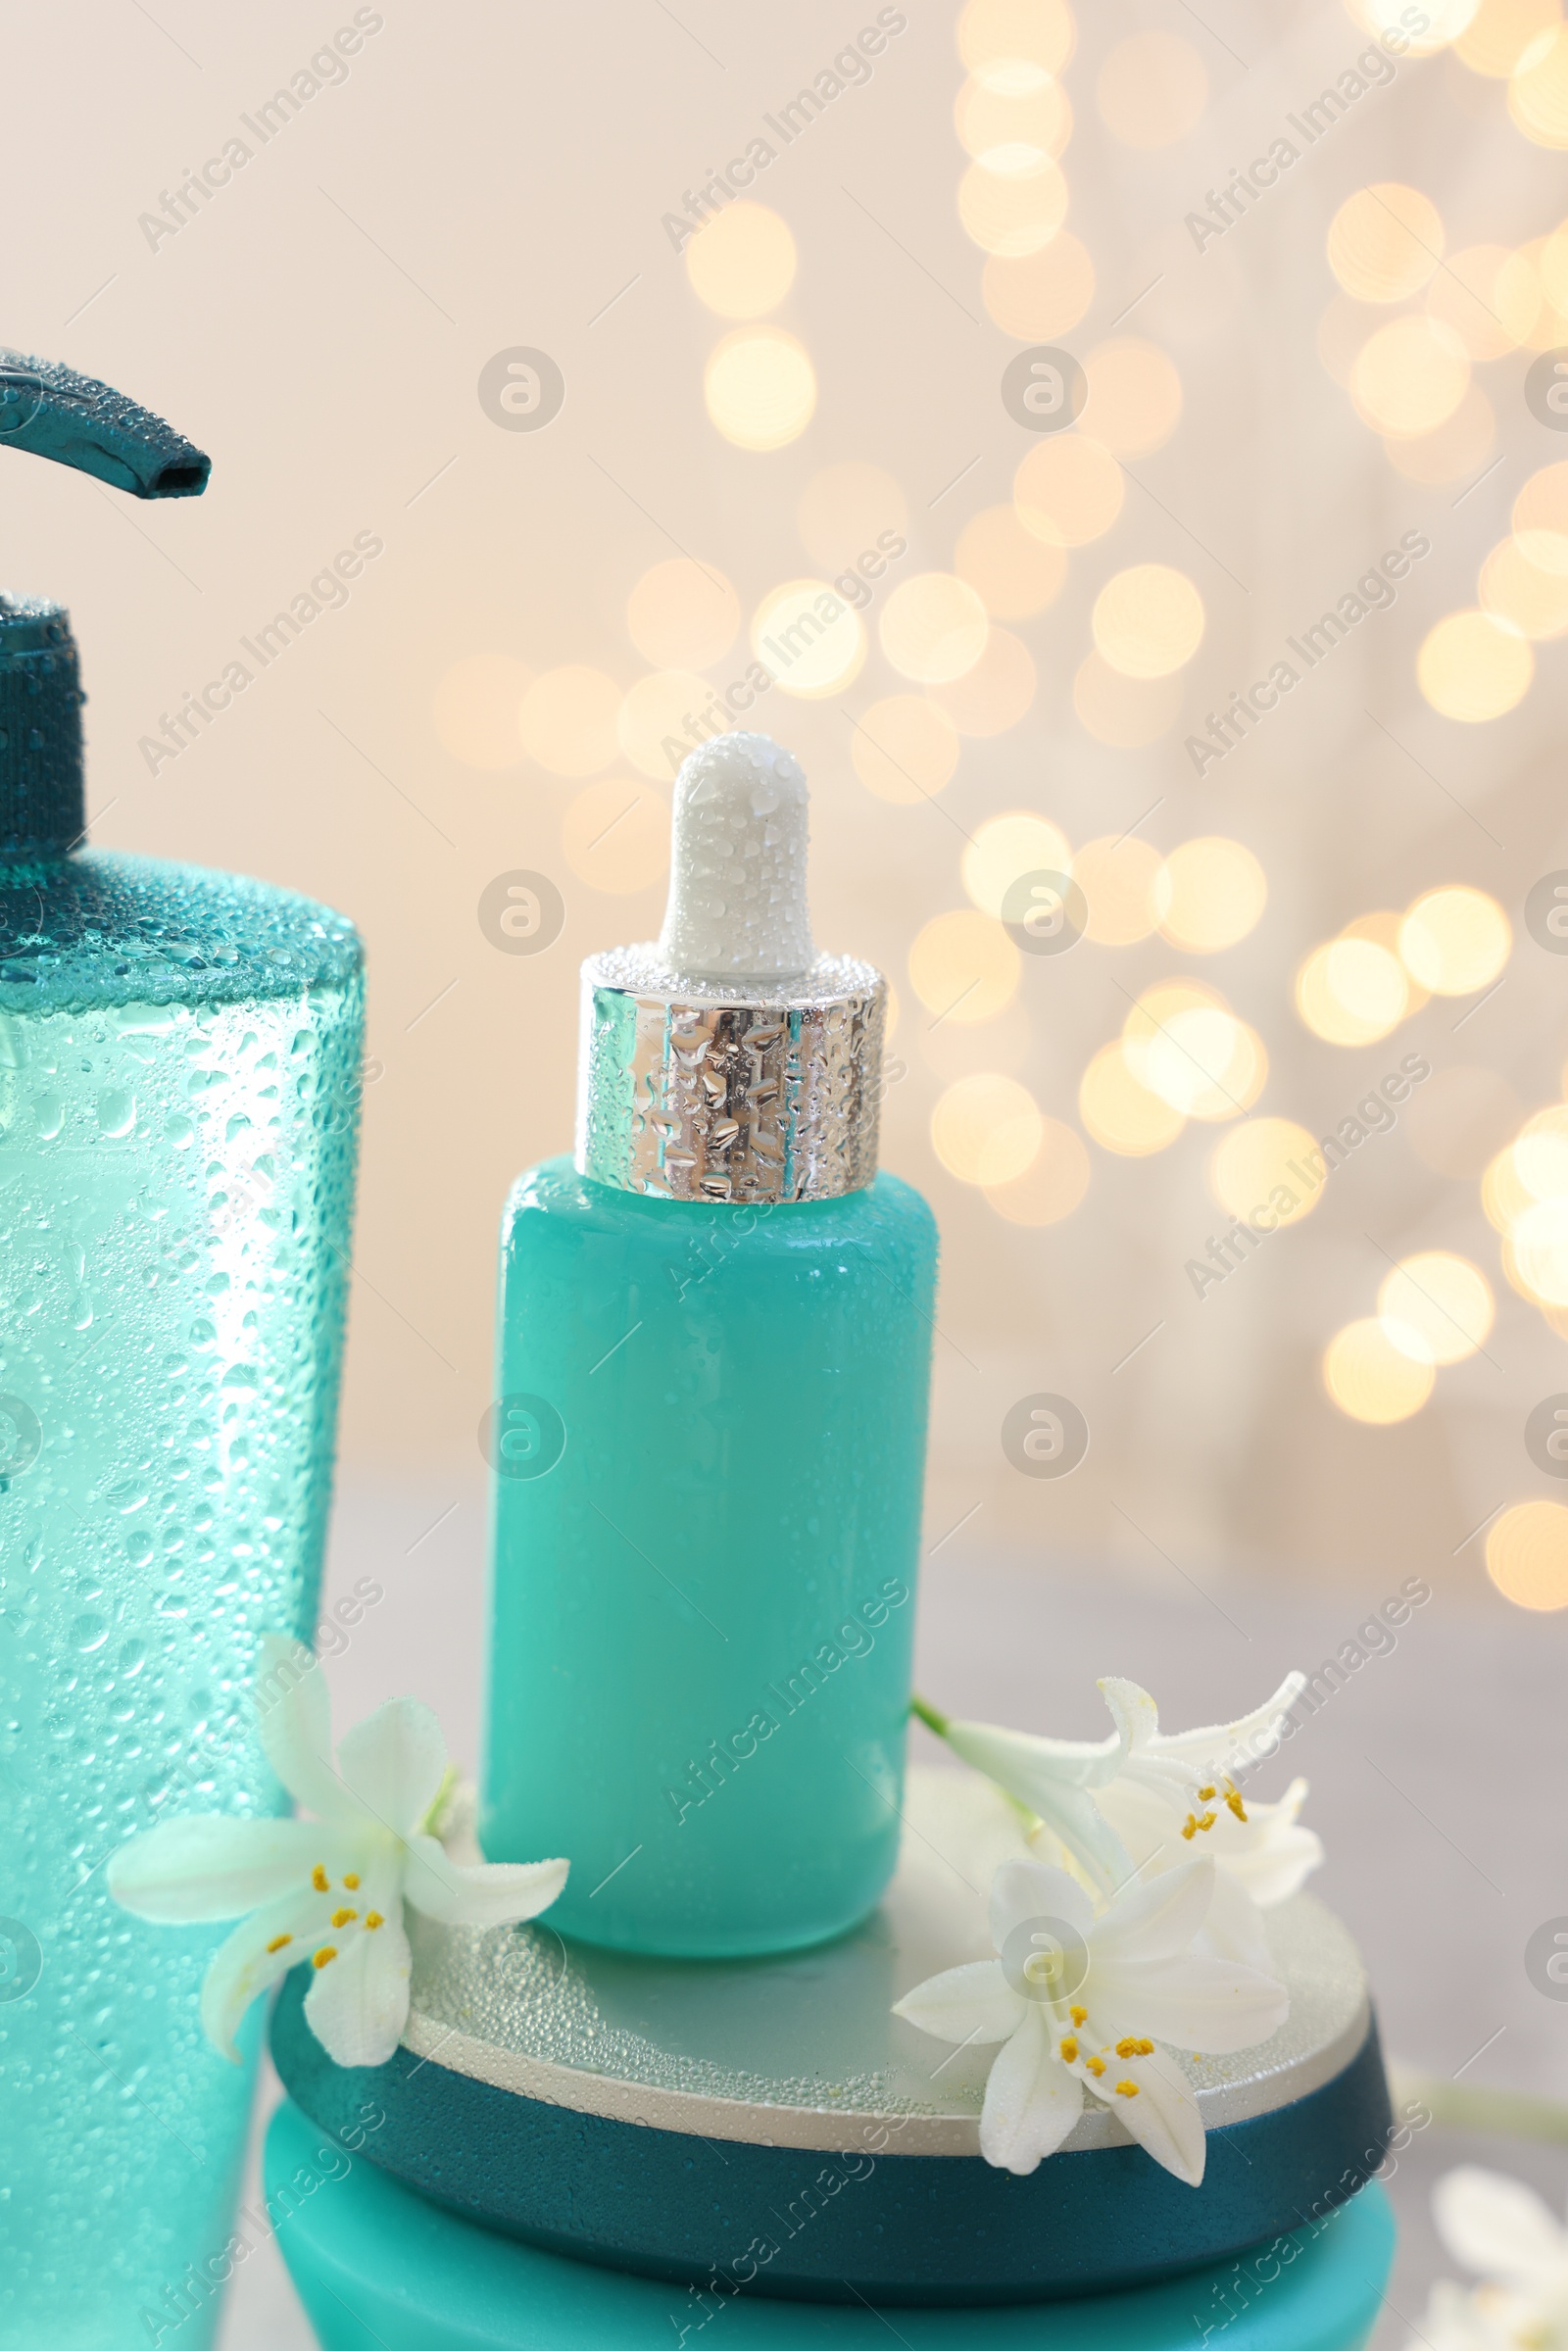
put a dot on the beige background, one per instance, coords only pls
(497, 178)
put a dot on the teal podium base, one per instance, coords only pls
(376, 2264)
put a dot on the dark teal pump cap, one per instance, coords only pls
(77, 421)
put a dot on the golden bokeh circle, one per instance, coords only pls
(1012, 570)
(808, 639)
(1385, 242)
(1521, 596)
(1352, 991)
(1259, 1173)
(986, 1128)
(903, 749)
(1538, 88)
(664, 717)
(1410, 376)
(1372, 1380)
(1541, 518)
(1527, 1555)
(1501, 31)
(933, 627)
(1068, 490)
(964, 966)
(759, 387)
(1121, 1114)
(1212, 894)
(1471, 668)
(683, 614)
(1040, 33)
(995, 693)
(742, 262)
(1003, 849)
(1012, 212)
(1452, 451)
(1052, 1184)
(1148, 620)
(1455, 940)
(1135, 395)
(1436, 1307)
(1490, 296)
(1013, 128)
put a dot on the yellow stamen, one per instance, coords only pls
(1079, 2016)
(1127, 2048)
(1126, 2089)
(352, 1882)
(278, 1940)
(1070, 2050)
(1206, 1821)
(319, 1878)
(1143, 2048)
(1236, 1805)
(1190, 1827)
(325, 1953)
(1207, 1796)
(372, 1918)
(341, 1918)
(1095, 2065)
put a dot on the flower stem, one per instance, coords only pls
(1477, 2107)
(928, 1714)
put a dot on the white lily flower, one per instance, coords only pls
(1261, 1853)
(1065, 1781)
(1098, 2003)
(1502, 2229)
(332, 1890)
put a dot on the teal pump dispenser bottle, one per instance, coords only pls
(179, 1055)
(708, 1434)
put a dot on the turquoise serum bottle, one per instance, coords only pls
(708, 1434)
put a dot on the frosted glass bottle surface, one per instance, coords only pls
(179, 1058)
(709, 1440)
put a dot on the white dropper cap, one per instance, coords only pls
(737, 884)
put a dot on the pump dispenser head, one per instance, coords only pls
(730, 1061)
(80, 423)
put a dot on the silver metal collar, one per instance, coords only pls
(705, 1090)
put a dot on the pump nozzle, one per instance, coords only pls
(78, 421)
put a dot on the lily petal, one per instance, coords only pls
(1192, 2003)
(294, 1715)
(1032, 2101)
(1275, 1861)
(1222, 1748)
(1234, 1929)
(1499, 2226)
(395, 1762)
(971, 2003)
(212, 1866)
(1157, 1919)
(245, 1966)
(358, 2004)
(1052, 1777)
(491, 1893)
(1023, 1892)
(1163, 2116)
